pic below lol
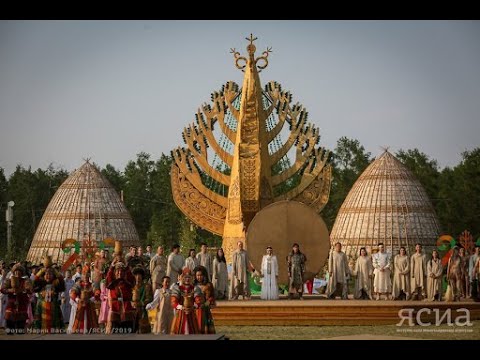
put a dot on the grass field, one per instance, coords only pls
(443, 332)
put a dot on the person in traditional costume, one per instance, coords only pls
(205, 302)
(142, 295)
(434, 277)
(418, 272)
(158, 268)
(382, 261)
(73, 305)
(472, 261)
(83, 294)
(132, 252)
(465, 280)
(205, 259)
(162, 302)
(49, 284)
(120, 282)
(101, 263)
(239, 284)
(183, 298)
(191, 261)
(78, 272)
(454, 274)
(220, 275)
(148, 252)
(269, 273)
(339, 274)
(103, 314)
(175, 263)
(364, 276)
(296, 268)
(476, 277)
(17, 290)
(65, 297)
(401, 276)
(143, 261)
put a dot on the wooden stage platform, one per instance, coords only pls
(317, 310)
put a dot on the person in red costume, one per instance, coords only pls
(185, 298)
(83, 294)
(17, 288)
(120, 282)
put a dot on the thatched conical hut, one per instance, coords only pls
(386, 204)
(85, 207)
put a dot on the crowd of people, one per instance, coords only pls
(406, 277)
(115, 295)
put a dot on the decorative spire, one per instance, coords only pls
(251, 56)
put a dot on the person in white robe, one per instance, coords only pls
(175, 263)
(269, 273)
(364, 274)
(401, 276)
(73, 306)
(161, 301)
(220, 275)
(239, 284)
(65, 297)
(418, 272)
(191, 261)
(158, 268)
(205, 259)
(339, 273)
(434, 277)
(382, 262)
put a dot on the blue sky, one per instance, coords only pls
(110, 89)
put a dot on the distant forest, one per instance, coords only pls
(454, 192)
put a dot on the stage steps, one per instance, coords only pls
(336, 312)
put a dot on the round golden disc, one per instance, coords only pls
(282, 224)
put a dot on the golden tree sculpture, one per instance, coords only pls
(224, 176)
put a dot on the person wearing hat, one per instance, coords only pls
(269, 273)
(17, 289)
(121, 314)
(205, 302)
(83, 295)
(184, 298)
(48, 284)
(142, 295)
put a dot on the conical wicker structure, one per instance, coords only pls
(386, 204)
(85, 206)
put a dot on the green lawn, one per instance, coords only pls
(443, 332)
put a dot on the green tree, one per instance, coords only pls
(137, 197)
(424, 169)
(188, 236)
(350, 159)
(115, 177)
(3, 207)
(460, 191)
(31, 192)
(166, 217)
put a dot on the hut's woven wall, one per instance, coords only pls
(84, 206)
(386, 204)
